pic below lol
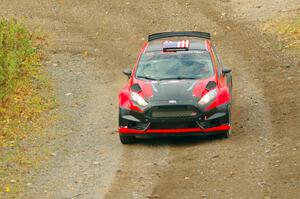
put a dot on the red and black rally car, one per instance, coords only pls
(178, 86)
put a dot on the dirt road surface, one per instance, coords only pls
(92, 41)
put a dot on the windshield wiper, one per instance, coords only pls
(170, 78)
(147, 77)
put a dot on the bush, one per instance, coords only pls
(22, 84)
(25, 103)
(18, 57)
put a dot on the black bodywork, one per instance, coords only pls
(174, 117)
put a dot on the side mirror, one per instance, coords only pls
(226, 70)
(127, 72)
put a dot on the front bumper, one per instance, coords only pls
(204, 122)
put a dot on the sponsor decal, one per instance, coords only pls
(172, 101)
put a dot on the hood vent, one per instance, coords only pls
(136, 88)
(211, 85)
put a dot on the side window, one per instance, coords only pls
(220, 65)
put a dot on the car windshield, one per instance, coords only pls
(175, 65)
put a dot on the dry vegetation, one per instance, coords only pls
(287, 30)
(24, 96)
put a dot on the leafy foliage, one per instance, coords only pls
(20, 78)
(18, 57)
(24, 96)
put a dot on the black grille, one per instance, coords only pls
(172, 112)
(172, 125)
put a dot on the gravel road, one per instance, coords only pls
(92, 41)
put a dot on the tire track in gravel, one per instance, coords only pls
(268, 67)
(90, 153)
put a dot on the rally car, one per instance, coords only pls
(178, 86)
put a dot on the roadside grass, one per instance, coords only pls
(25, 101)
(287, 31)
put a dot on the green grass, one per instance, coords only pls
(25, 100)
(18, 56)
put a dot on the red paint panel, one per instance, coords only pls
(223, 97)
(146, 87)
(199, 89)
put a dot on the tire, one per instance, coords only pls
(126, 139)
(227, 134)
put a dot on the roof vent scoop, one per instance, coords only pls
(211, 85)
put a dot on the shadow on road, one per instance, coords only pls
(177, 141)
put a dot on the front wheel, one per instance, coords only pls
(127, 139)
(227, 134)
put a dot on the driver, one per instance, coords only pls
(202, 68)
(192, 66)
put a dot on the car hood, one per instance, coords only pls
(179, 90)
(172, 91)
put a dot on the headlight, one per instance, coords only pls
(138, 99)
(208, 97)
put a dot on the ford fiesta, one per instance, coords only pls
(178, 86)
